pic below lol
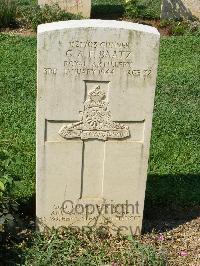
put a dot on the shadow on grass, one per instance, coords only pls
(107, 11)
(27, 206)
(171, 200)
(17, 233)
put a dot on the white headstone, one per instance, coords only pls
(82, 7)
(96, 85)
(172, 9)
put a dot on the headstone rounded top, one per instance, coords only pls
(96, 23)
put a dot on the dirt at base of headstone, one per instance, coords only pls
(18, 31)
(164, 31)
(181, 245)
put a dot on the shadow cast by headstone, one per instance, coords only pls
(18, 232)
(107, 11)
(175, 9)
(27, 206)
(171, 200)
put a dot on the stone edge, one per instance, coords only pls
(96, 23)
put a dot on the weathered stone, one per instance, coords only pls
(96, 84)
(175, 9)
(82, 7)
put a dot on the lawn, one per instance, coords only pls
(18, 96)
(174, 166)
(174, 171)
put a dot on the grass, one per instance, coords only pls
(71, 247)
(146, 9)
(175, 155)
(8, 13)
(18, 97)
(174, 167)
(107, 7)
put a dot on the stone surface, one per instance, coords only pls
(172, 9)
(96, 85)
(82, 7)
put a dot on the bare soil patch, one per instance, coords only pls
(175, 232)
(18, 31)
(164, 31)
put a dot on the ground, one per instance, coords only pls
(172, 205)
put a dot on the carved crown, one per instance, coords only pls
(97, 94)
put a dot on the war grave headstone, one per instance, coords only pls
(96, 86)
(176, 9)
(82, 7)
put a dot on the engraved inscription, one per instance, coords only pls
(49, 71)
(101, 58)
(96, 122)
(83, 58)
(92, 44)
(76, 4)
